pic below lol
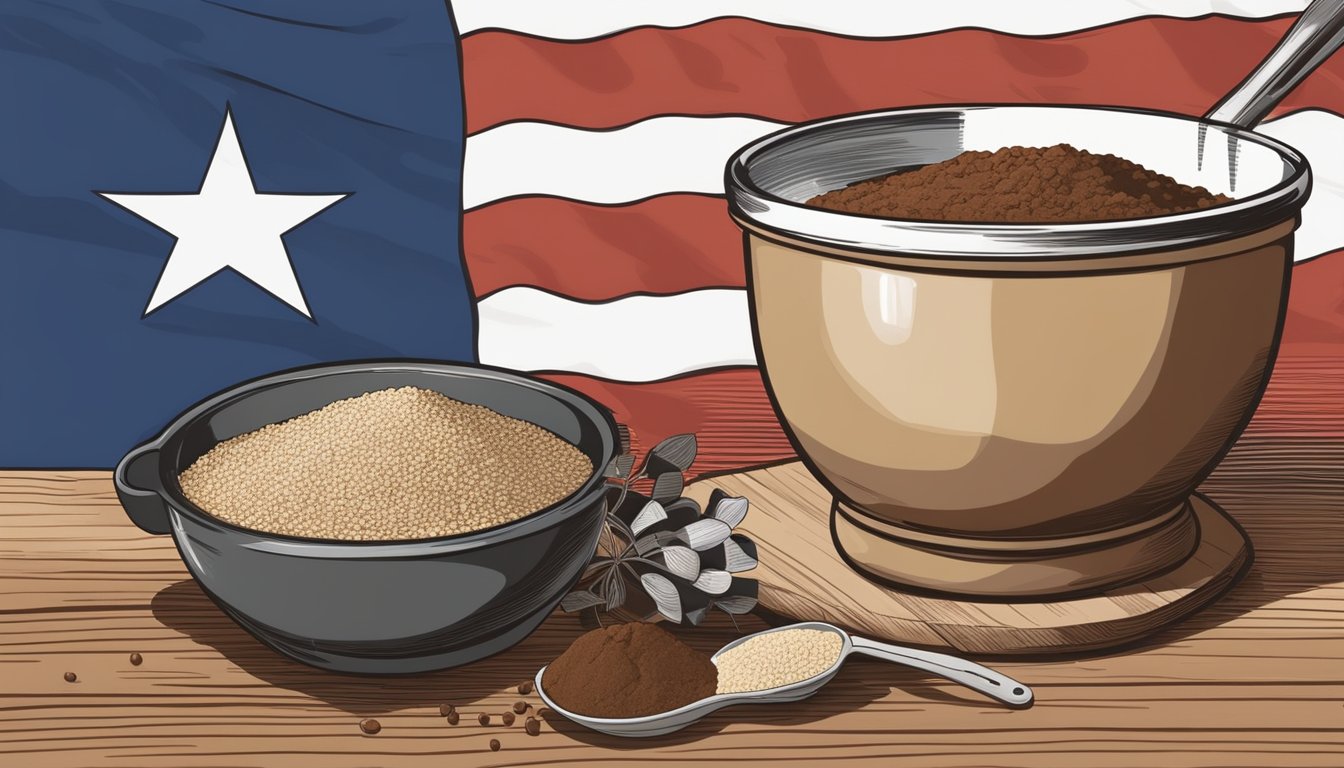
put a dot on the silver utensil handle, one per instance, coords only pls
(983, 679)
(1319, 31)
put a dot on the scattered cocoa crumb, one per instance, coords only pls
(446, 710)
(525, 687)
(519, 707)
(544, 713)
(532, 725)
(483, 719)
(137, 659)
(370, 726)
(453, 718)
(494, 745)
(508, 718)
(70, 677)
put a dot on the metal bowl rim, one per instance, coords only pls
(752, 204)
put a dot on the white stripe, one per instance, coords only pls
(639, 338)
(1317, 135)
(687, 154)
(579, 19)
(662, 154)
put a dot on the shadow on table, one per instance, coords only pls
(184, 607)
(1287, 493)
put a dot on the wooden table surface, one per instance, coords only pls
(1257, 680)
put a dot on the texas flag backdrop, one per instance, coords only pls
(119, 310)
(538, 188)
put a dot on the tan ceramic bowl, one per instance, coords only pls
(1015, 410)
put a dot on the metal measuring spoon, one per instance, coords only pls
(983, 679)
(1312, 39)
(1316, 34)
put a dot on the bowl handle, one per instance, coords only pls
(145, 506)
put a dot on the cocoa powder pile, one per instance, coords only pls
(629, 670)
(1021, 185)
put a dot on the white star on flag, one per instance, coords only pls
(226, 224)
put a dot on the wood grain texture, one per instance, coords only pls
(1255, 680)
(802, 577)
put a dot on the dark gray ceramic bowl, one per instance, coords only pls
(372, 607)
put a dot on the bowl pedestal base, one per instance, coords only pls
(802, 577)
(998, 568)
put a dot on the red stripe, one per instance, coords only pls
(748, 67)
(665, 244)
(1315, 322)
(733, 421)
(676, 243)
(726, 409)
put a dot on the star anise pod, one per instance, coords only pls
(659, 554)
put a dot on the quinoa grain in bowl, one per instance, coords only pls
(396, 464)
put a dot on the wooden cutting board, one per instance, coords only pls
(803, 578)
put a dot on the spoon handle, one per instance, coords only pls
(974, 676)
(1310, 41)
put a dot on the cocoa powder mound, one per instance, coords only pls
(1021, 185)
(629, 670)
